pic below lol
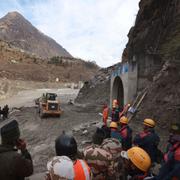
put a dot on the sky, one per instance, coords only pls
(94, 30)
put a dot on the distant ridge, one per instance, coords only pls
(14, 28)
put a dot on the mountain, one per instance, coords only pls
(19, 32)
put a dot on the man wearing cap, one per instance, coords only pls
(171, 166)
(148, 139)
(60, 167)
(14, 165)
(136, 163)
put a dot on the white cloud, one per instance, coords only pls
(91, 29)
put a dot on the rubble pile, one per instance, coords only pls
(97, 90)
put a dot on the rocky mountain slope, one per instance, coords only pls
(18, 31)
(19, 65)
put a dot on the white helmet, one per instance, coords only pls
(60, 167)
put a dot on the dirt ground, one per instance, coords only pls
(40, 134)
(80, 120)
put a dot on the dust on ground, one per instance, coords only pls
(40, 134)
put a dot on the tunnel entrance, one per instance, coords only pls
(118, 91)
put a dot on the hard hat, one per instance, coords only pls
(138, 157)
(10, 132)
(124, 120)
(66, 145)
(149, 122)
(175, 128)
(61, 167)
(113, 125)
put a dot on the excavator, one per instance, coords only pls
(48, 105)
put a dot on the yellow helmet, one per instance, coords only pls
(124, 120)
(149, 122)
(139, 158)
(113, 125)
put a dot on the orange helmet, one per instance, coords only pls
(124, 120)
(149, 122)
(139, 157)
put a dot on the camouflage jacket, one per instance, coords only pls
(103, 159)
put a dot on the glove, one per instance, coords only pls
(21, 144)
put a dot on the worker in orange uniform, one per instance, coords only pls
(126, 133)
(66, 145)
(115, 111)
(105, 114)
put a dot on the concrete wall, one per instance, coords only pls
(124, 82)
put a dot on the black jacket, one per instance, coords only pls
(13, 165)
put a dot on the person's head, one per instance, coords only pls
(136, 160)
(123, 120)
(115, 103)
(65, 145)
(113, 125)
(105, 106)
(98, 136)
(10, 133)
(174, 133)
(148, 124)
(61, 168)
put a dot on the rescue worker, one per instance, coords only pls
(114, 131)
(115, 111)
(60, 167)
(148, 139)
(170, 169)
(14, 165)
(5, 112)
(126, 133)
(66, 145)
(102, 156)
(137, 163)
(113, 146)
(105, 114)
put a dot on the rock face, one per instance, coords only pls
(154, 43)
(14, 28)
(156, 30)
(154, 38)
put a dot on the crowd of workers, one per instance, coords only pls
(113, 155)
